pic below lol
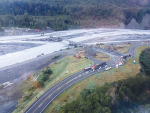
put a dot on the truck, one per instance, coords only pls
(126, 56)
(103, 64)
(98, 66)
(87, 68)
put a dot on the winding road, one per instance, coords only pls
(49, 96)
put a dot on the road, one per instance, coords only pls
(49, 96)
(43, 102)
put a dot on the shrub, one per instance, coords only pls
(44, 75)
(56, 57)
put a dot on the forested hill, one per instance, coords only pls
(64, 14)
(65, 2)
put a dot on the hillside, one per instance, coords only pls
(64, 14)
(145, 23)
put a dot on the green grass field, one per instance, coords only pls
(69, 63)
(129, 69)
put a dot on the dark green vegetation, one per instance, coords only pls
(44, 75)
(123, 96)
(28, 95)
(64, 14)
(1, 87)
(56, 56)
(145, 62)
(95, 101)
(1, 29)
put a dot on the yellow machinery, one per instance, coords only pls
(79, 56)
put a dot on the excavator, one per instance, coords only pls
(79, 56)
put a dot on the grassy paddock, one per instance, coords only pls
(122, 48)
(129, 69)
(102, 57)
(59, 68)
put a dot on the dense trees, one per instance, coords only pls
(96, 101)
(64, 14)
(145, 62)
(1, 29)
(134, 89)
(36, 22)
(44, 76)
(128, 96)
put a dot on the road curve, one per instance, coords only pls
(48, 97)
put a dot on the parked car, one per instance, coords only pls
(107, 68)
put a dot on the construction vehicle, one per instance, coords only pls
(98, 66)
(103, 64)
(95, 67)
(126, 56)
(79, 56)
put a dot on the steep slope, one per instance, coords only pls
(145, 23)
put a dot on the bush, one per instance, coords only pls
(28, 96)
(44, 75)
(1, 87)
(75, 46)
(56, 57)
(32, 88)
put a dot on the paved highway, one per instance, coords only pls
(42, 103)
(47, 98)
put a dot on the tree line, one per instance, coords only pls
(64, 14)
(145, 62)
(36, 22)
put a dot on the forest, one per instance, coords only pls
(129, 95)
(145, 62)
(67, 14)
